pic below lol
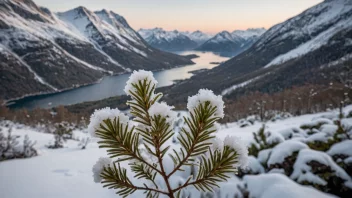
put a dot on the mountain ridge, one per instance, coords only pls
(171, 40)
(59, 51)
(329, 22)
(232, 42)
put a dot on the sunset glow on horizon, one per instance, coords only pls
(210, 16)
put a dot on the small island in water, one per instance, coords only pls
(191, 56)
(216, 63)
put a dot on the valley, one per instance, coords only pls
(113, 85)
(45, 52)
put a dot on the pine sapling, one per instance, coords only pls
(28, 148)
(145, 143)
(61, 134)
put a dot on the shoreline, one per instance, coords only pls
(10, 102)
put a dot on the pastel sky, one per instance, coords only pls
(209, 16)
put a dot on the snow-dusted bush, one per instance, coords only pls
(315, 124)
(62, 133)
(144, 143)
(250, 120)
(10, 147)
(254, 167)
(264, 140)
(284, 155)
(243, 123)
(317, 168)
(323, 132)
(349, 114)
(28, 148)
(278, 115)
(292, 132)
(342, 154)
(277, 185)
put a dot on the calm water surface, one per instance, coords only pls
(114, 85)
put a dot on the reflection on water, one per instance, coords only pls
(114, 85)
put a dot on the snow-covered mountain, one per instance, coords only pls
(168, 40)
(42, 51)
(312, 47)
(198, 36)
(234, 43)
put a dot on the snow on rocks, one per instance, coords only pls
(305, 172)
(137, 76)
(99, 167)
(241, 149)
(164, 110)
(283, 150)
(203, 96)
(100, 115)
(278, 185)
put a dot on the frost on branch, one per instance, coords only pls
(163, 110)
(99, 167)
(106, 113)
(240, 148)
(139, 77)
(207, 95)
(144, 143)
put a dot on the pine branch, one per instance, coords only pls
(116, 178)
(154, 130)
(213, 169)
(144, 172)
(194, 142)
(121, 141)
(158, 130)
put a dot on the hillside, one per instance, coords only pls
(66, 167)
(42, 51)
(303, 49)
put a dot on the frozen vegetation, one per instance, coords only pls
(305, 156)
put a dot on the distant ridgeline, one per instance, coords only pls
(224, 42)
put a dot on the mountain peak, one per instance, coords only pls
(103, 11)
(81, 9)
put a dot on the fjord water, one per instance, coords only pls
(114, 85)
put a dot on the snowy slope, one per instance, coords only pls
(67, 172)
(319, 24)
(291, 53)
